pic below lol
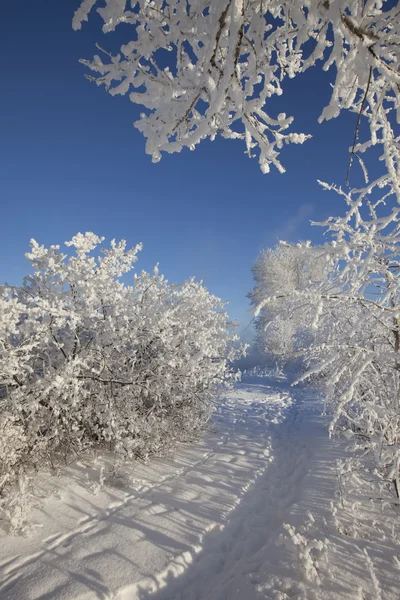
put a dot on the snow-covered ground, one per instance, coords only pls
(213, 521)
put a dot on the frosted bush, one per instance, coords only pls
(87, 360)
(275, 372)
(16, 506)
(12, 449)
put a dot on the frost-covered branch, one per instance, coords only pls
(204, 68)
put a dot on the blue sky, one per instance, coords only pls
(70, 160)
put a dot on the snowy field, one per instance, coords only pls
(214, 521)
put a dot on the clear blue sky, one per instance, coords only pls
(70, 160)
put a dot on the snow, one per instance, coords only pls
(243, 513)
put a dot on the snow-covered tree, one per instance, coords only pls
(205, 68)
(86, 359)
(281, 274)
(355, 314)
(360, 358)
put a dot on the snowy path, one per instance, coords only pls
(201, 525)
(232, 559)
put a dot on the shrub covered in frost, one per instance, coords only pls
(86, 359)
(12, 449)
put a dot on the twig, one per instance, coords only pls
(358, 126)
